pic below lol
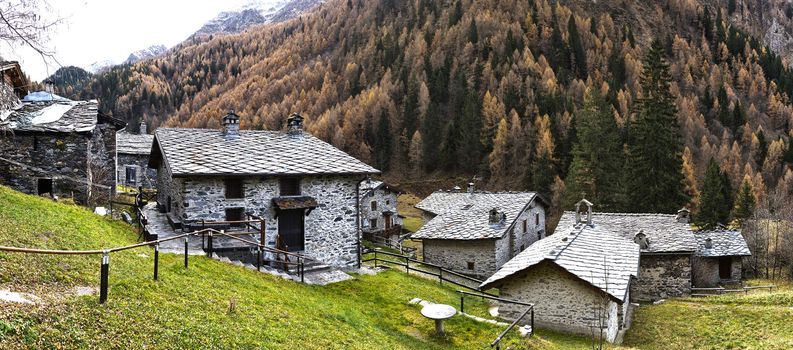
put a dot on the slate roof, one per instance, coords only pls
(664, 234)
(465, 216)
(52, 116)
(368, 186)
(595, 254)
(128, 143)
(723, 243)
(190, 152)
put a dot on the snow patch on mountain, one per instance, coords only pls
(147, 53)
(254, 13)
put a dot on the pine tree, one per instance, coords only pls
(597, 156)
(655, 178)
(382, 143)
(731, 6)
(738, 117)
(473, 34)
(725, 117)
(410, 110)
(762, 148)
(579, 55)
(745, 203)
(711, 200)
(432, 135)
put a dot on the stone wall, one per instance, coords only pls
(170, 188)
(705, 271)
(330, 229)
(147, 177)
(456, 254)
(62, 157)
(662, 276)
(562, 302)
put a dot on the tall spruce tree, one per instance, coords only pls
(597, 156)
(711, 198)
(382, 143)
(579, 55)
(654, 175)
(745, 203)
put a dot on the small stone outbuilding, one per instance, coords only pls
(132, 154)
(578, 279)
(475, 233)
(306, 190)
(719, 257)
(53, 146)
(667, 248)
(379, 215)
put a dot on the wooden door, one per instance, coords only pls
(725, 268)
(291, 229)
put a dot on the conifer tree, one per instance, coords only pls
(745, 203)
(725, 117)
(597, 156)
(579, 55)
(432, 136)
(382, 144)
(410, 110)
(762, 148)
(738, 117)
(655, 178)
(542, 169)
(711, 200)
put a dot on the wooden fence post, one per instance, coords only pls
(156, 259)
(185, 251)
(258, 258)
(209, 244)
(103, 278)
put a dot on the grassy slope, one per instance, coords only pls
(760, 320)
(191, 308)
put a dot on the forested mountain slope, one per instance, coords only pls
(495, 88)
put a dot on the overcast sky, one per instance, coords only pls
(96, 30)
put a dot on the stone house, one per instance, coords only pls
(55, 146)
(132, 154)
(667, 248)
(474, 232)
(579, 280)
(719, 257)
(306, 190)
(13, 84)
(379, 216)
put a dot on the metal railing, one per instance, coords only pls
(442, 273)
(529, 310)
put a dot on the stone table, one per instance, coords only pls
(438, 312)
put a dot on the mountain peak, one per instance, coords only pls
(149, 52)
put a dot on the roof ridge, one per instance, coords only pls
(580, 227)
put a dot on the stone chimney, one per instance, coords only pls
(708, 243)
(231, 126)
(495, 217)
(683, 215)
(294, 125)
(471, 187)
(143, 129)
(578, 208)
(456, 189)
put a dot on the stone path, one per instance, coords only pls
(158, 225)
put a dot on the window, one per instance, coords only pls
(539, 234)
(525, 226)
(470, 265)
(235, 214)
(131, 174)
(290, 186)
(374, 205)
(388, 222)
(35, 143)
(387, 202)
(372, 223)
(234, 189)
(522, 247)
(537, 219)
